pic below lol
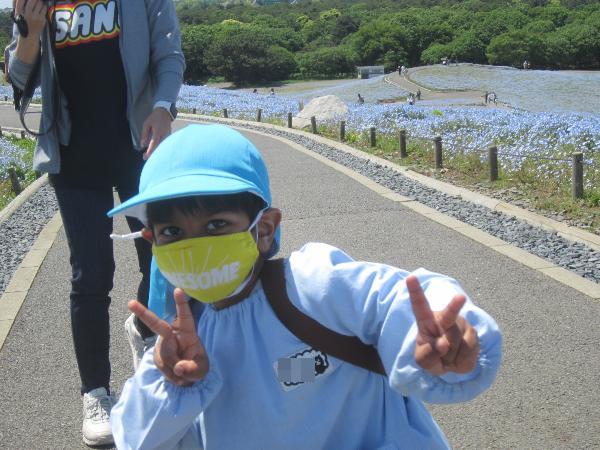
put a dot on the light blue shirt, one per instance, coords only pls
(258, 394)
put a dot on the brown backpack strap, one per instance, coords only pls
(347, 348)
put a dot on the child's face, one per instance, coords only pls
(199, 224)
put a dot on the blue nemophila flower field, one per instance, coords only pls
(10, 156)
(533, 90)
(517, 133)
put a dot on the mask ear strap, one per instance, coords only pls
(255, 222)
(126, 237)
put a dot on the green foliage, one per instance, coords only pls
(344, 26)
(331, 62)
(194, 41)
(242, 54)
(328, 37)
(468, 47)
(512, 48)
(434, 53)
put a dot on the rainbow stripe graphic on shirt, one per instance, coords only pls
(80, 22)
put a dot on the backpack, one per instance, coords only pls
(347, 348)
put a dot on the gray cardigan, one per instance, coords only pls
(150, 44)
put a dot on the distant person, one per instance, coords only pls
(255, 91)
(411, 99)
(361, 100)
(418, 94)
(6, 59)
(403, 70)
(272, 92)
(485, 97)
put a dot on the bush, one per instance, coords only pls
(327, 62)
(243, 54)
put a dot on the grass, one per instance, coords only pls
(26, 177)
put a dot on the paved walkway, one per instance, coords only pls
(546, 395)
(455, 97)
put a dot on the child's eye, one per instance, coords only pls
(170, 231)
(216, 225)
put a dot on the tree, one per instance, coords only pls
(559, 51)
(492, 24)
(468, 47)
(344, 26)
(331, 62)
(434, 53)
(243, 54)
(394, 59)
(514, 47)
(584, 43)
(194, 41)
(540, 26)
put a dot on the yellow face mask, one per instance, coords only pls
(209, 268)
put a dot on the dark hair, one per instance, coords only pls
(162, 211)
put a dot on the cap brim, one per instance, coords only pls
(184, 186)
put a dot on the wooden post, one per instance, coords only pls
(22, 134)
(403, 153)
(343, 131)
(14, 181)
(373, 137)
(258, 115)
(289, 120)
(438, 152)
(577, 186)
(493, 160)
(5, 98)
(313, 124)
(193, 110)
(225, 113)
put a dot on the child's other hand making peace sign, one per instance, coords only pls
(446, 342)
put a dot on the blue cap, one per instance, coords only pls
(199, 160)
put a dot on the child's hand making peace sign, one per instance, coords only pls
(178, 354)
(446, 342)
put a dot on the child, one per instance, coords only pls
(228, 374)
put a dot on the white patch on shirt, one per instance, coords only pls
(302, 367)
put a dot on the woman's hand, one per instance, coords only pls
(34, 12)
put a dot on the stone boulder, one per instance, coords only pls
(328, 107)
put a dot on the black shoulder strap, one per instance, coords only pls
(22, 98)
(347, 348)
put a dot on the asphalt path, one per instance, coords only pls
(546, 395)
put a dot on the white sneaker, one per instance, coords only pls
(96, 417)
(136, 342)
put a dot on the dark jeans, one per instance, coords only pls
(88, 231)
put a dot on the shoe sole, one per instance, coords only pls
(96, 443)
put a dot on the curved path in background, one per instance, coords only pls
(464, 97)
